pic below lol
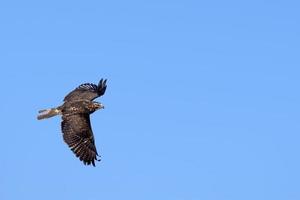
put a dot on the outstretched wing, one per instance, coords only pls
(87, 91)
(77, 133)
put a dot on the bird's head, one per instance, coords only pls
(98, 105)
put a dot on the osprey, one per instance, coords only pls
(76, 125)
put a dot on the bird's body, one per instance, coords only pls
(75, 125)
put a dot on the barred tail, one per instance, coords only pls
(48, 113)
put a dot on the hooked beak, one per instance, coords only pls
(98, 106)
(101, 106)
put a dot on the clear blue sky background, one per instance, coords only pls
(202, 99)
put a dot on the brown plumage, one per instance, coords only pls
(76, 125)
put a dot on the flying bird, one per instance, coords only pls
(76, 125)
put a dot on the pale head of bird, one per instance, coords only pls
(98, 105)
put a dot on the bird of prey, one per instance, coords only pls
(76, 125)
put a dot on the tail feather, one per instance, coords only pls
(47, 113)
(40, 111)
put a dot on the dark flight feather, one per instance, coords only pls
(77, 133)
(87, 91)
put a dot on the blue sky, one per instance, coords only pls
(202, 99)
